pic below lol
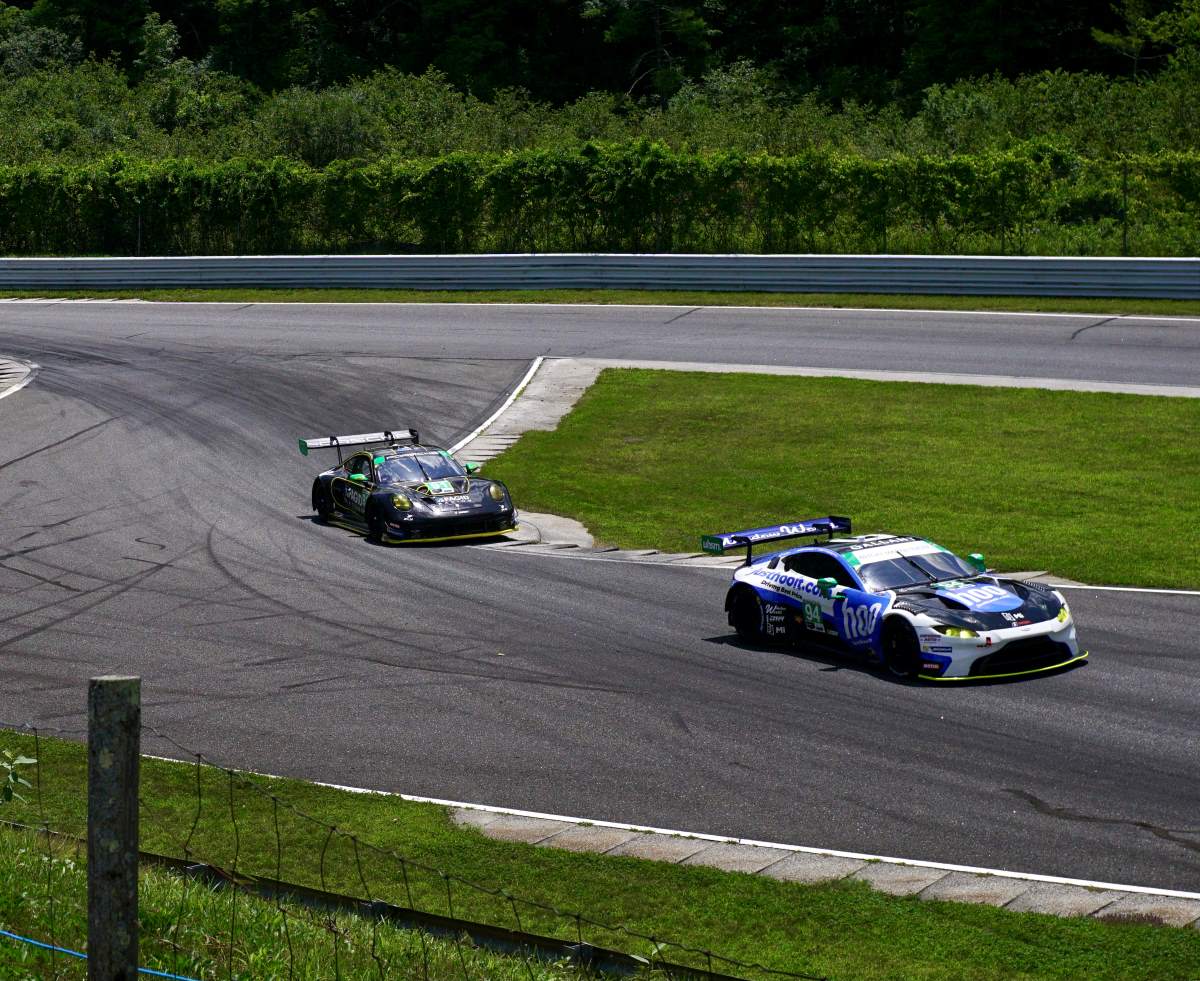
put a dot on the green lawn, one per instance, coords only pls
(1103, 305)
(186, 928)
(1098, 487)
(843, 931)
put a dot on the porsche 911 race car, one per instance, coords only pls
(403, 491)
(903, 602)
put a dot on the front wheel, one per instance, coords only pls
(375, 527)
(901, 652)
(746, 614)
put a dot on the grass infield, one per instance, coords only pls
(1103, 488)
(843, 930)
(1016, 304)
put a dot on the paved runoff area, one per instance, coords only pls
(548, 396)
(1025, 894)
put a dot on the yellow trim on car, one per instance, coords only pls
(448, 538)
(342, 523)
(1010, 674)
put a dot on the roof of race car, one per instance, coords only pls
(409, 449)
(860, 549)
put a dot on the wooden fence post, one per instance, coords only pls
(114, 738)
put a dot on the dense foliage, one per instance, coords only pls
(217, 125)
(80, 113)
(635, 197)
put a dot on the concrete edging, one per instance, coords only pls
(1020, 892)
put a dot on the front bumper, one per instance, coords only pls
(451, 528)
(1006, 653)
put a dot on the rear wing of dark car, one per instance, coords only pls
(359, 439)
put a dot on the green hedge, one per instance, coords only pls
(630, 197)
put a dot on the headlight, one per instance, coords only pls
(941, 628)
(1063, 614)
(402, 502)
(495, 492)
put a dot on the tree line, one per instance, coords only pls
(866, 51)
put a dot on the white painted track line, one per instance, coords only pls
(512, 397)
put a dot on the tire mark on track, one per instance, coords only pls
(59, 443)
(1066, 814)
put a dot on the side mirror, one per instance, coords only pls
(826, 585)
(358, 476)
(472, 467)
(976, 559)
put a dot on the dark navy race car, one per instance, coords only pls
(394, 489)
(903, 602)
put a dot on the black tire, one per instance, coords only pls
(901, 652)
(375, 526)
(746, 614)
(321, 501)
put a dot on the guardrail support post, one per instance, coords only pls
(114, 738)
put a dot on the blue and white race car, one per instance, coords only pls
(903, 602)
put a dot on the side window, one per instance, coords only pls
(818, 566)
(359, 464)
(804, 563)
(834, 569)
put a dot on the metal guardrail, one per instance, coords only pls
(963, 275)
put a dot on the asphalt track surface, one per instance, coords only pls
(154, 519)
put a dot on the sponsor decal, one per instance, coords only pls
(879, 543)
(774, 619)
(797, 583)
(354, 496)
(983, 597)
(941, 650)
(858, 622)
(930, 638)
(456, 499)
(931, 666)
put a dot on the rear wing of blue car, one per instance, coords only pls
(359, 439)
(721, 543)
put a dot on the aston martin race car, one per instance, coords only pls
(395, 489)
(903, 602)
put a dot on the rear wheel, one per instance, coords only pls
(901, 652)
(321, 501)
(746, 614)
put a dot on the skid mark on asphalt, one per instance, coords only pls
(58, 443)
(129, 583)
(1172, 835)
(1099, 323)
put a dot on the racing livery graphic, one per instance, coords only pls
(399, 490)
(902, 602)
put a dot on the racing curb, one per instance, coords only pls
(15, 375)
(1016, 891)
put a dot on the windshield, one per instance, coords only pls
(418, 466)
(914, 570)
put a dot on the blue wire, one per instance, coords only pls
(79, 954)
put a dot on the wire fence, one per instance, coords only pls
(238, 878)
